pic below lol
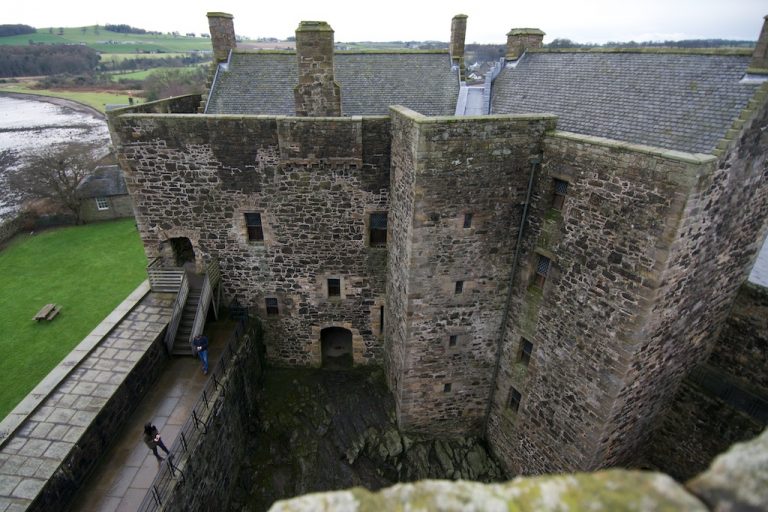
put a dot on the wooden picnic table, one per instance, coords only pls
(48, 312)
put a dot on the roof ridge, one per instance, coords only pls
(729, 51)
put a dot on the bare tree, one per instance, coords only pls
(55, 174)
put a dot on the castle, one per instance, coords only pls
(543, 272)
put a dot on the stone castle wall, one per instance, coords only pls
(444, 335)
(715, 246)
(605, 245)
(314, 182)
(742, 349)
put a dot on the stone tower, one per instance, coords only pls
(222, 35)
(317, 94)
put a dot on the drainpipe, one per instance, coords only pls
(535, 161)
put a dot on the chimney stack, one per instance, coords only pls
(222, 35)
(521, 39)
(458, 34)
(759, 62)
(317, 94)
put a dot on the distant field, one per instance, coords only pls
(97, 100)
(112, 42)
(143, 74)
(88, 270)
(120, 57)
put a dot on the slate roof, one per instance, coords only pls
(672, 101)
(263, 82)
(104, 182)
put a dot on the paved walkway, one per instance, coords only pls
(126, 471)
(42, 430)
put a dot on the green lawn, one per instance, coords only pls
(112, 42)
(88, 270)
(97, 100)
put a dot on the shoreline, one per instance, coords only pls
(61, 102)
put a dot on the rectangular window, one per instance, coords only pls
(561, 190)
(447, 387)
(378, 229)
(467, 220)
(102, 203)
(525, 351)
(542, 269)
(381, 319)
(453, 339)
(272, 308)
(334, 287)
(459, 287)
(514, 399)
(253, 224)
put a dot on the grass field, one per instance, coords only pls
(88, 270)
(97, 100)
(143, 74)
(112, 42)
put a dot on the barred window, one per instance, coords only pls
(560, 191)
(542, 269)
(378, 229)
(467, 220)
(272, 308)
(334, 287)
(253, 224)
(525, 351)
(514, 399)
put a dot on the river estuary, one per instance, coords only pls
(34, 124)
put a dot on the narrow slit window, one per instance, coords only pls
(253, 224)
(560, 191)
(514, 399)
(542, 270)
(467, 220)
(334, 287)
(378, 229)
(272, 307)
(459, 287)
(453, 339)
(525, 351)
(447, 387)
(381, 319)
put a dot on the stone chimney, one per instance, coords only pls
(222, 35)
(521, 39)
(317, 94)
(759, 63)
(458, 34)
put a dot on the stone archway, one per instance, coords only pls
(336, 348)
(183, 252)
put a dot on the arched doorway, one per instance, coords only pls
(336, 348)
(183, 253)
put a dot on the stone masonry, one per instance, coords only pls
(546, 288)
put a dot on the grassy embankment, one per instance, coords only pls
(96, 99)
(88, 270)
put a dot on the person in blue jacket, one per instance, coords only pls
(201, 346)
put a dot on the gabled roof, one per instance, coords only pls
(263, 82)
(685, 102)
(104, 182)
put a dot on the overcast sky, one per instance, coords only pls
(595, 21)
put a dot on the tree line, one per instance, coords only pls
(47, 60)
(122, 28)
(15, 30)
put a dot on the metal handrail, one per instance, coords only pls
(193, 429)
(178, 311)
(162, 278)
